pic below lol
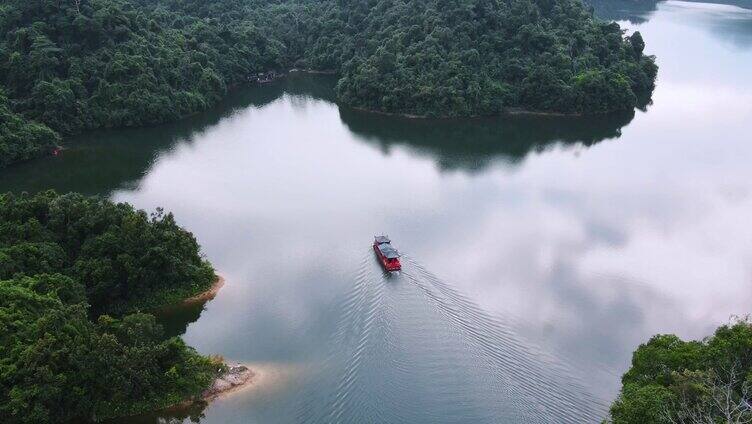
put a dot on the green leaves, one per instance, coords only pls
(58, 366)
(123, 258)
(672, 380)
(113, 63)
(66, 259)
(21, 139)
(551, 56)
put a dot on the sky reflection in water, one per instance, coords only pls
(587, 236)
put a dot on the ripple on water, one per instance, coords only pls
(410, 348)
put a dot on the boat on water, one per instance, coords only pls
(387, 254)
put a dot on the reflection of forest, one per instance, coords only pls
(98, 162)
(470, 144)
(639, 11)
(175, 319)
(633, 11)
(190, 413)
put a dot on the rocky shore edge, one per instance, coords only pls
(236, 377)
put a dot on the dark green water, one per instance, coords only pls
(539, 251)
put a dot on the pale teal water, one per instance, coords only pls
(539, 251)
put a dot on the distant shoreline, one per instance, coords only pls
(506, 112)
(312, 71)
(512, 111)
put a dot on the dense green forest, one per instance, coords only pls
(676, 381)
(82, 64)
(76, 65)
(21, 139)
(71, 267)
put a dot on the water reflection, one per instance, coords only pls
(729, 20)
(193, 413)
(634, 12)
(473, 144)
(176, 319)
(99, 162)
(519, 274)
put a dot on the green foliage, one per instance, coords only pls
(64, 262)
(110, 63)
(113, 63)
(454, 58)
(470, 57)
(21, 139)
(642, 404)
(57, 366)
(672, 380)
(124, 258)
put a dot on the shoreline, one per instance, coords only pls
(204, 296)
(236, 378)
(506, 112)
(312, 71)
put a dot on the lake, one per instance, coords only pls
(538, 251)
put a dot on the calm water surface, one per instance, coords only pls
(539, 252)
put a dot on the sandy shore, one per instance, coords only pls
(237, 377)
(207, 295)
(252, 378)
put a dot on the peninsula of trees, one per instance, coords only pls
(73, 272)
(673, 381)
(71, 65)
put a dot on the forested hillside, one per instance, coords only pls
(21, 139)
(110, 63)
(81, 64)
(64, 262)
(123, 258)
(76, 65)
(427, 57)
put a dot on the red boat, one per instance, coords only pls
(388, 255)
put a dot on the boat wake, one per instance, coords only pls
(410, 348)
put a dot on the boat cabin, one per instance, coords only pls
(387, 254)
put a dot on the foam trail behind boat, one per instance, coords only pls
(410, 348)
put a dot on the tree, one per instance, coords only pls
(72, 65)
(707, 397)
(71, 270)
(677, 382)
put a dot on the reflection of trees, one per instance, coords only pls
(102, 161)
(99, 162)
(471, 143)
(193, 413)
(175, 319)
(745, 4)
(639, 11)
(634, 11)
(736, 30)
